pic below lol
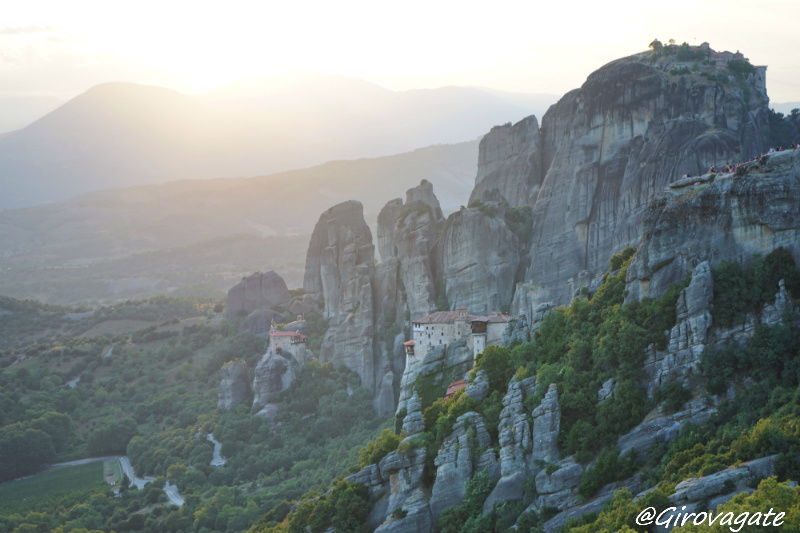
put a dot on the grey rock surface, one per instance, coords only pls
(515, 439)
(603, 152)
(754, 210)
(233, 384)
(565, 477)
(478, 257)
(340, 264)
(409, 233)
(546, 425)
(454, 465)
(274, 373)
(696, 489)
(688, 338)
(413, 423)
(479, 388)
(384, 398)
(663, 428)
(259, 321)
(259, 290)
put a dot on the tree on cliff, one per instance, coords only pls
(656, 46)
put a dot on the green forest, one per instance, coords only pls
(140, 379)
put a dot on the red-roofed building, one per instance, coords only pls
(455, 386)
(287, 343)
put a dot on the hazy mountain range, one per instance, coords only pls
(121, 134)
(138, 241)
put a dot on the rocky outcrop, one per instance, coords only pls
(339, 268)
(510, 164)
(257, 291)
(664, 428)
(603, 152)
(384, 397)
(413, 423)
(233, 385)
(689, 336)
(341, 240)
(274, 373)
(409, 233)
(546, 424)
(556, 488)
(515, 437)
(442, 363)
(633, 484)
(696, 489)
(454, 463)
(397, 482)
(259, 321)
(754, 210)
(478, 389)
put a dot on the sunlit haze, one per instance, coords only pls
(63, 48)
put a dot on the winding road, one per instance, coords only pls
(218, 460)
(139, 482)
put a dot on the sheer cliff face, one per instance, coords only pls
(478, 257)
(754, 210)
(602, 153)
(408, 232)
(341, 240)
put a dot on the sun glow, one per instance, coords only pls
(519, 46)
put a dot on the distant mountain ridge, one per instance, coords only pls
(121, 134)
(47, 251)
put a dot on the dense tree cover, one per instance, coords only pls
(154, 398)
(739, 290)
(581, 346)
(344, 507)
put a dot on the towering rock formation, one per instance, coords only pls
(408, 232)
(509, 164)
(601, 154)
(339, 268)
(274, 373)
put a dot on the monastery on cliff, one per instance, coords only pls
(441, 328)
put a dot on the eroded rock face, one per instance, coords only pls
(478, 257)
(384, 399)
(689, 336)
(515, 438)
(546, 424)
(663, 428)
(510, 163)
(754, 210)
(409, 233)
(260, 290)
(442, 363)
(603, 152)
(413, 423)
(234, 384)
(339, 267)
(274, 373)
(454, 465)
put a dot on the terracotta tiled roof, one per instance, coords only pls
(287, 334)
(449, 317)
(455, 387)
(409, 343)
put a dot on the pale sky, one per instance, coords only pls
(62, 48)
